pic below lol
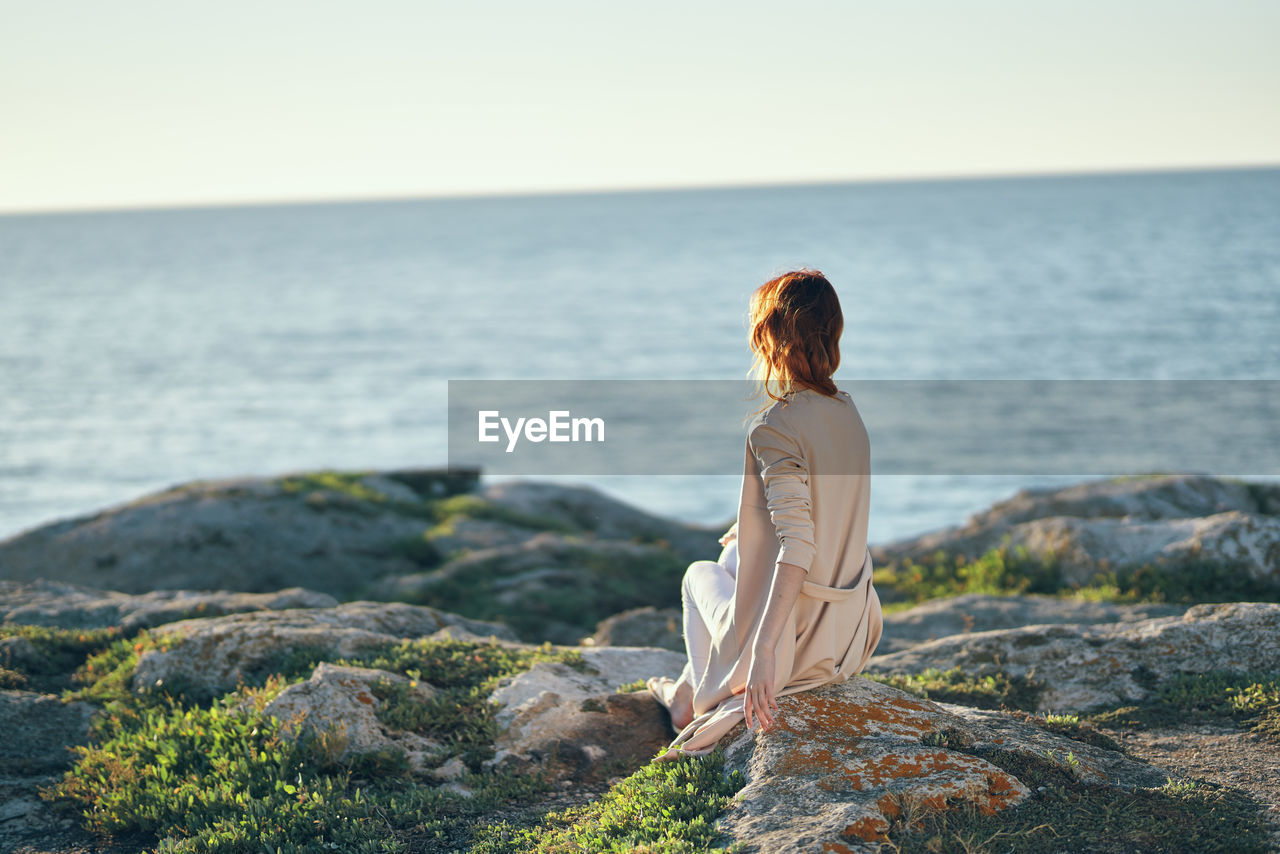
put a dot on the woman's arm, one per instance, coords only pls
(787, 581)
(785, 473)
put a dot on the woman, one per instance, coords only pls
(789, 606)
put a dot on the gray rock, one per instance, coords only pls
(38, 731)
(18, 653)
(506, 579)
(464, 534)
(340, 703)
(71, 606)
(585, 509)
(846, 758)
(244, 534)
(1249, 543)
(1136, 499)
(644, 626)
(569, 723)
(980, 612)
(209, 656)
(1085, 667)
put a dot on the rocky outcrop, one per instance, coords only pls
(1112, 505)
(341, 703)
(587, 510)
(644, 626)
(567, 722)
(843, 764)
(1085, 667)
(936, 618)
(846, 759)
(396, 534)
(551, 587)
(981, 612)
(330, 533)
(70, 606)
(48, 729)
(37, 733)
(207, 657)
(1244, 543)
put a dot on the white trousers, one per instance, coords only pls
(706, 592)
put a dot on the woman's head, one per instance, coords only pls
(796, 324)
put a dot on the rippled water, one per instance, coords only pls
(146, 348)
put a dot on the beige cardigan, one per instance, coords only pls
(806, 489)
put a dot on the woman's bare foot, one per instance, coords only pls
(681, 705)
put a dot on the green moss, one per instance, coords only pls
(1000, 571)
(588, 585)
(994, 691)
(638, 685)
(667, 807)
(221, 778)
(475, 507)
(464, 673)
(1004, 571)
(12, 678)
(345, 491)
(1072, 727)
(58, 652)
(1064, 813)
(1251, 698)
(215, 780)
(106, 675)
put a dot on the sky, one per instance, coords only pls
(136, 104)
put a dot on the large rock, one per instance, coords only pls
(643, 626)
(245, 534)
(585, 509)
(1085, 667)
(209, 656)
(341, 704)
(980, 612)
(556, 718)
(39, 730)
(70, 606)
(1140, 499)
(847, 758)
(1246, 543)
(552, 587)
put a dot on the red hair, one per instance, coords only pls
(796, 325)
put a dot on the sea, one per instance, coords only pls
(140, 349)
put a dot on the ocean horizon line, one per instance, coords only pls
(588, 192)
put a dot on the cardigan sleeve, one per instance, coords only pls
(785, 473)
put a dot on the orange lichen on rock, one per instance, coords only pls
(891, 715)
(836, 847)
(869, 829)
(889, 805)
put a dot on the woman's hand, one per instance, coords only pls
(758, 697)
(730, 535)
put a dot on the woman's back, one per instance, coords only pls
(822, 440)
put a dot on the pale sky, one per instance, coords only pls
(128, 103)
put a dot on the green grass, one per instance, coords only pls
(58, 652)
(1252, 698)
(1064, 813)
(995, 691)
(425, 549)
(220, 777)
(663, 807)
(1001, 570)
(599, 584)
(1005, 571)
